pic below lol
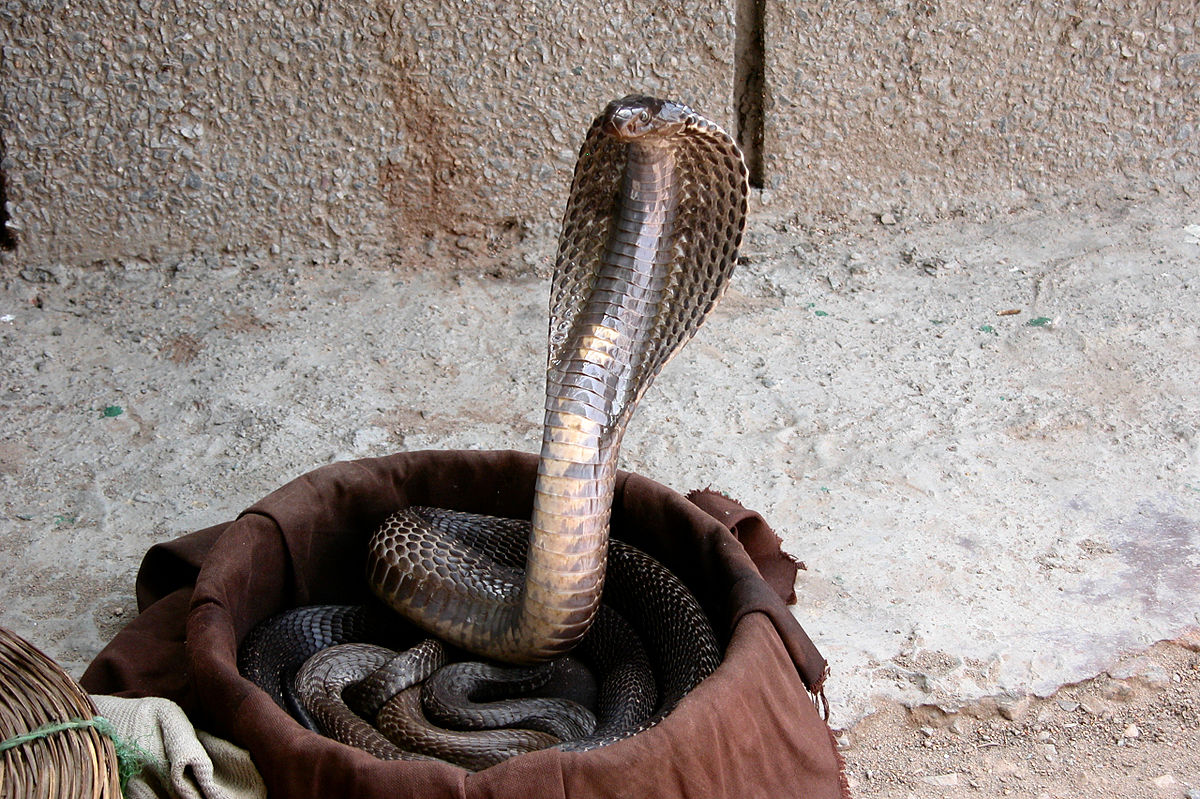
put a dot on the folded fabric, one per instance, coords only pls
(181, 762)
(750, 729)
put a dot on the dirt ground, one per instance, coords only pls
(981, 435)
(1135, 737)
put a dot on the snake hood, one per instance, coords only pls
(656, 184)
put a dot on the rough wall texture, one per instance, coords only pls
(159, 127)
(141, 130)
(493, 99)
(928, 106)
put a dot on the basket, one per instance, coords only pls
(750, 729)
(69, 763)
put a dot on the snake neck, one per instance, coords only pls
(591, 389)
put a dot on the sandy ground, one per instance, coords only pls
(1134, 736)
(982, 436)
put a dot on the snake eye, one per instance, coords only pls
(644, 116)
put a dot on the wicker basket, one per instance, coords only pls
(72, 763)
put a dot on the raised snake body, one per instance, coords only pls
(649, 241)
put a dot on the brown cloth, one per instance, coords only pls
(750, 730)
(765, 548)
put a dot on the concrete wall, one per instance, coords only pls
(925, 106)
(155, 127)
(152, 128)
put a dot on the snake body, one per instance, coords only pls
(649, 241)
(473, 695)
(324, 677)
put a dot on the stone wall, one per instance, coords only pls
(922, 107)
(141, 130)
(157, 127)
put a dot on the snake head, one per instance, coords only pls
(638, 116)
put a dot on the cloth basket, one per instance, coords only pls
(752, 729)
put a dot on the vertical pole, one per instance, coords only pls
(8, 241)
(749, 84)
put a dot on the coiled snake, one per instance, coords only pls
(649, 241)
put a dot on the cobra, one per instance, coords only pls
(649, 241)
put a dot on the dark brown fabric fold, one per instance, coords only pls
(763, 546)
(749, 730)
(778, 571)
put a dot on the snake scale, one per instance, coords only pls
(649, 241)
